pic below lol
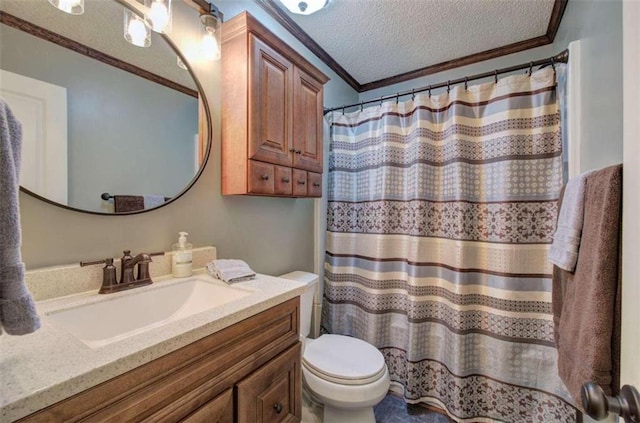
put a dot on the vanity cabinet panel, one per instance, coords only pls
(271, 108)
(218, 410)
(189, 383)
(269, 394)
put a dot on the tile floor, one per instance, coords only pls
(393, 409)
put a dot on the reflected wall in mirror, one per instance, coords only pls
(90, 127)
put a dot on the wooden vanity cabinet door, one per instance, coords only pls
(269, 104)
(307, 122)
(272, 394)
(218, 410)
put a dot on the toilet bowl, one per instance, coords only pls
(346, 375)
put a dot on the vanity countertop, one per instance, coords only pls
(40, 369)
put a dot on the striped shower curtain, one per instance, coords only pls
(440, 214)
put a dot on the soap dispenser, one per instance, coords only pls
(182, 260)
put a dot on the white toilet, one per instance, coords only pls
(346, 375)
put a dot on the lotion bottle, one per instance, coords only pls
(182, 260)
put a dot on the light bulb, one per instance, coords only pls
(304, 7)
(209, 47)
(137, 32)
(160, 15)
(74, 7)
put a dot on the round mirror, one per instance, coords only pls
(108, 127)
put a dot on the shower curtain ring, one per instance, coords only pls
(397, 97)
(448, 86)
(343, 110)
(466, 82)
(530, 68)
(381, 97)
(495, 75)
(361, 106)
(429, 91)
(413, 94)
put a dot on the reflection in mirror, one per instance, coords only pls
(92, 128)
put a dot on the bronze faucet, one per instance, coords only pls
(128, 279)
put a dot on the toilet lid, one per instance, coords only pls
(344, 359)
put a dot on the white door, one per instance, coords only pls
(42, 109)
(630, 364)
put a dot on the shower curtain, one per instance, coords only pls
(440, 214)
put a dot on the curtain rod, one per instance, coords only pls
(562, 57)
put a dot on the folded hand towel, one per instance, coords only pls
(566, 241)
(230, 270)
(17, 310)
(128, 203)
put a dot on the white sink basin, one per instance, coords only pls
(120, 316)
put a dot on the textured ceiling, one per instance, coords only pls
(101, 27)
(376, 39)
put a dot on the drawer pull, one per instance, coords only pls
(298, 151)
(316, 184)
(278, 408)
(265, 177)
(302, 181)
(285, 179)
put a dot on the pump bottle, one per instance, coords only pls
(182, 260)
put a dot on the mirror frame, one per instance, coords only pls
(80, 48)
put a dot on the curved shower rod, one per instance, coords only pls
(562, 57)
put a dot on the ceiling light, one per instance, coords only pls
(160, 15)
(74, 7)
(137, 30)
(211, 43)
(304, 7)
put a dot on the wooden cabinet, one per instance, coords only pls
(248, 372)
(271, 114)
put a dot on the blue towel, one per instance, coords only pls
(17, 310)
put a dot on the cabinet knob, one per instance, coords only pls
(265, 177)
(302, 181)
(298, 151)
(292, 150)
(316, 184)
(285, 179)
(278, 408)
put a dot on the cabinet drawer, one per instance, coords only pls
(314, 182)
(218, 410)
(261, 178)
(299, 183)
(283, 182)
(272, 393)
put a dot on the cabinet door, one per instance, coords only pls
(272, 394)
(269, 105)
(307, 122)
(314, 182)
(218, 410)
(261, 178)
(299, 183)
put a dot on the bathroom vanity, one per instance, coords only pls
(239, 361)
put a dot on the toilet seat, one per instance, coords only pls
(344, 360)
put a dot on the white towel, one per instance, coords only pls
(230, 270)
(566, 241)
(17, 310)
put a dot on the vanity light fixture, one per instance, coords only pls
(73, 7)
(211, 43)
(304, 7)
(137, 29)
(160, 16)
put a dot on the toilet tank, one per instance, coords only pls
(306, 299)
